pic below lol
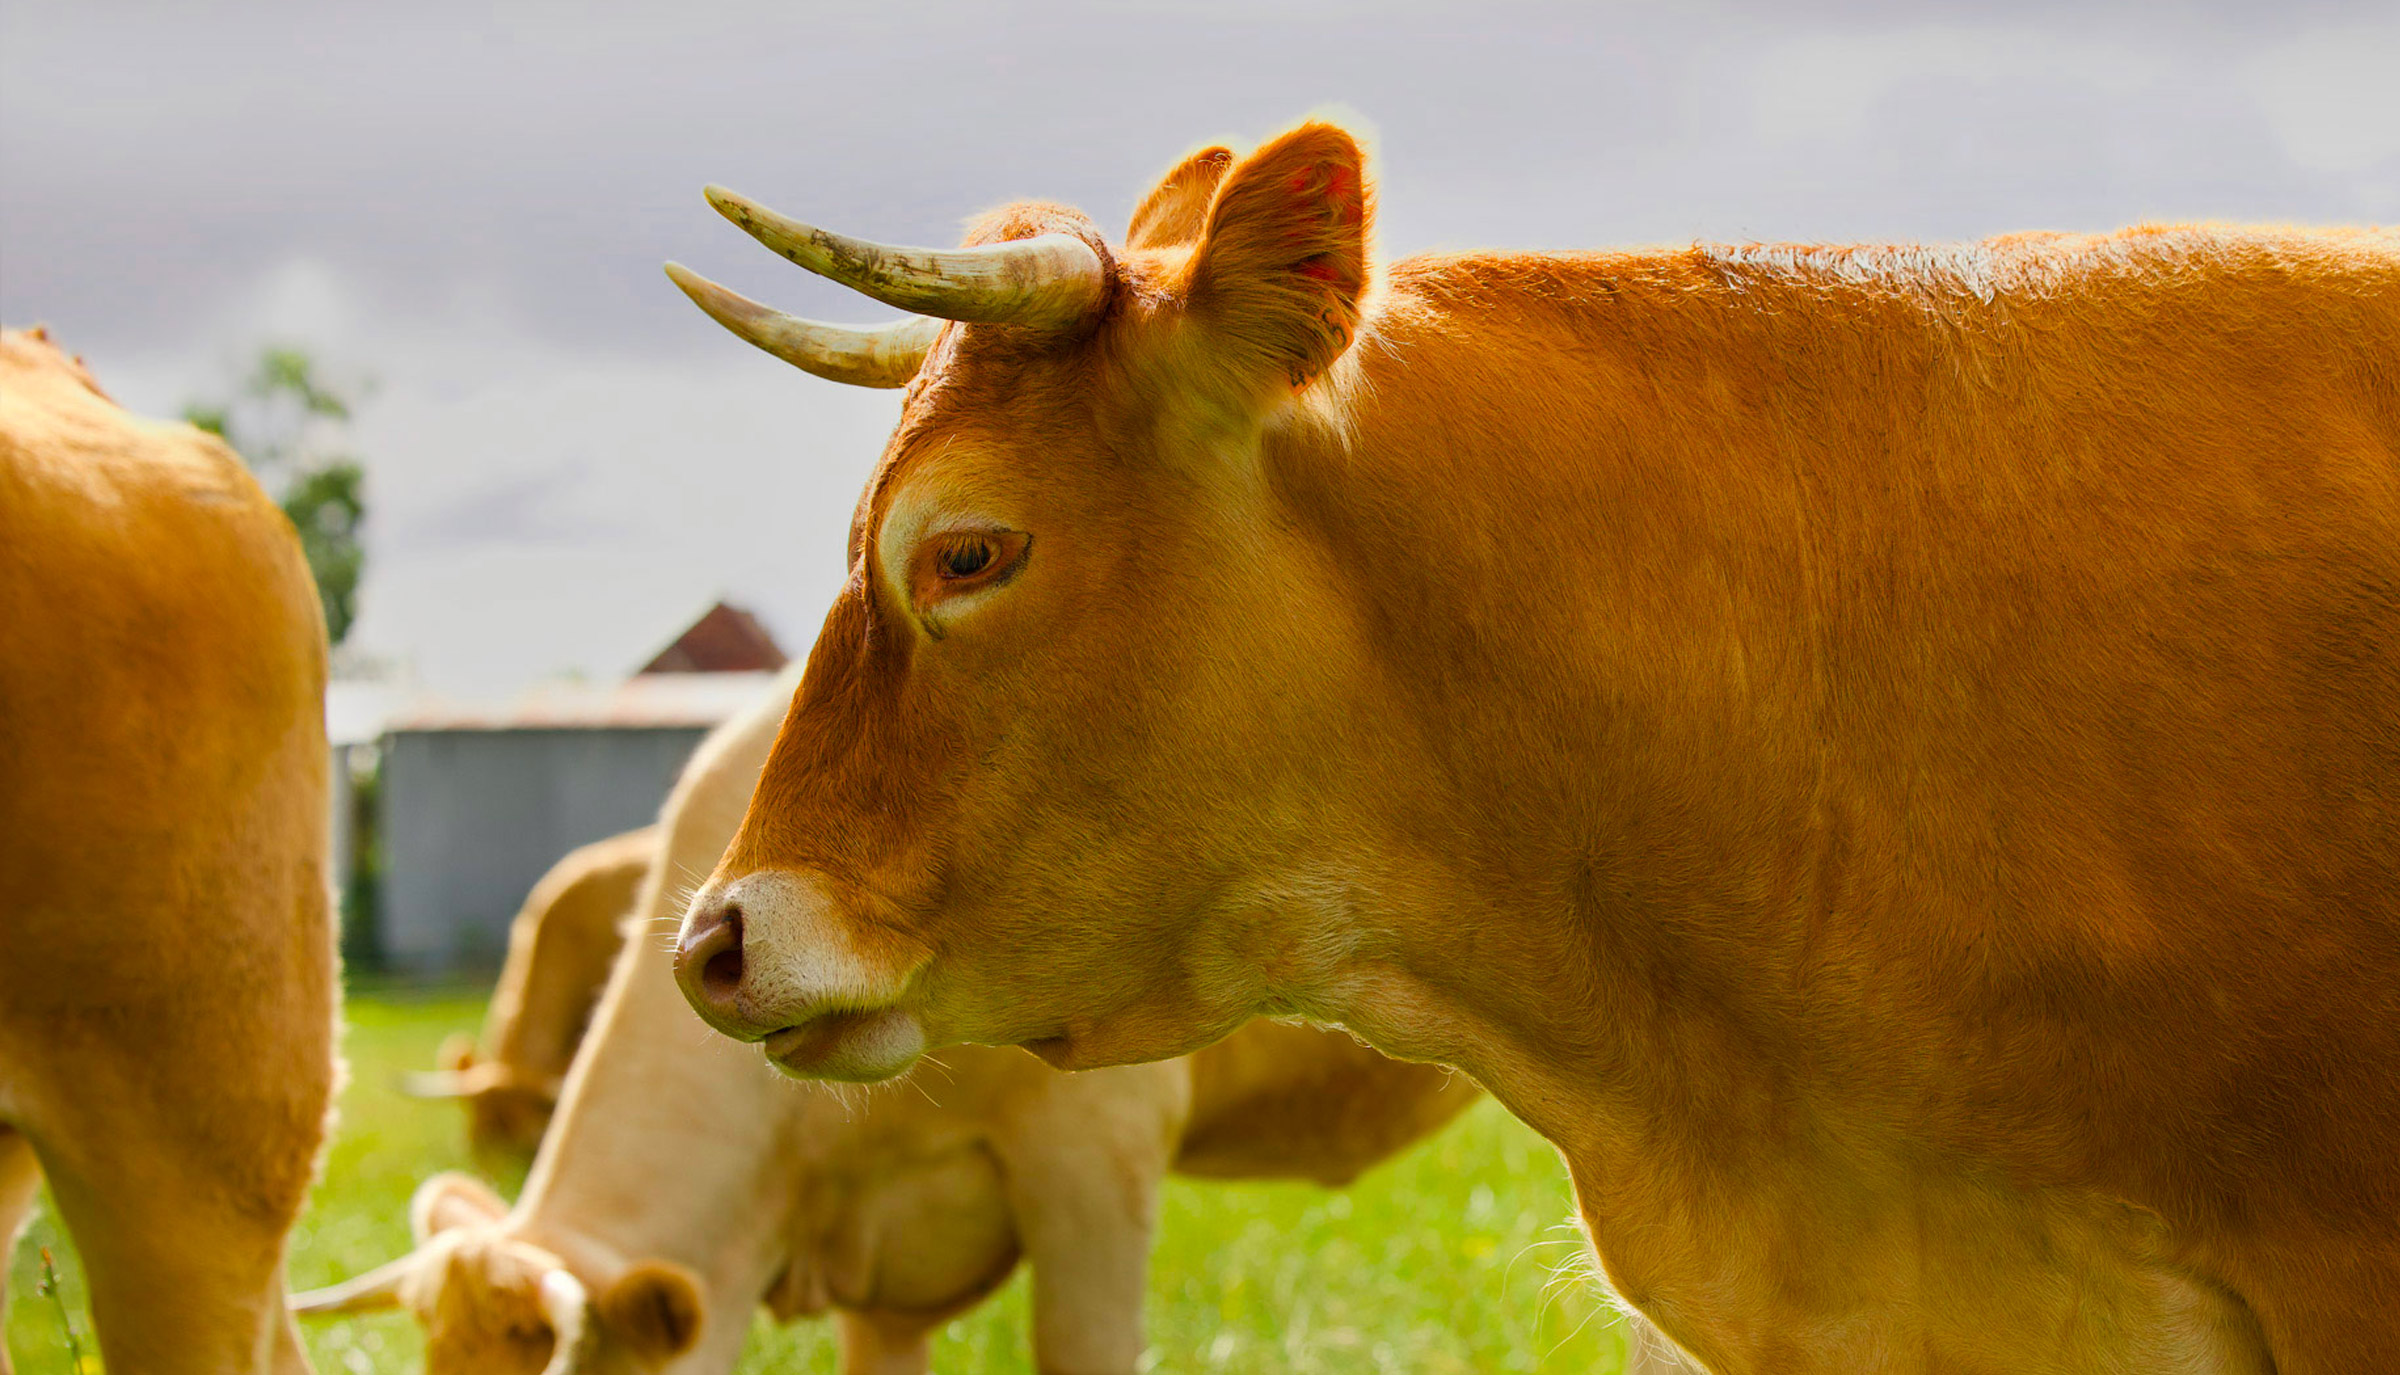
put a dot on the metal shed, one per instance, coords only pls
(477, 804)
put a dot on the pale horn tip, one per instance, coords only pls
(882, 356)
(732, 204)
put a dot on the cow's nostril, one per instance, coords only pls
(722, 974)
(708, 962)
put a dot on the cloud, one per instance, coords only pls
(599, 502)
(2332, 96)
(537, 507)
(470, 203)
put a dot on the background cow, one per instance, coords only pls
(167, 982)
(560, 948)
(1887, 756)
(681, 1184)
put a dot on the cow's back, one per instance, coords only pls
(167, 979)
(561, 946)
(2093, 637)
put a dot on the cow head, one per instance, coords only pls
(1058, 771)
(491, 1302)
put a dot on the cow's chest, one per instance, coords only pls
(921, 1234)
(1821, 1271)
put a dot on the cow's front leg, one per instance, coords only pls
(1086, 1204)
(885, 1343)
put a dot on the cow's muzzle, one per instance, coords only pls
(764, 957)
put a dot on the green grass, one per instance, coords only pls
(1453, 1258)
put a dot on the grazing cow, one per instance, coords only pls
(1888, 757)
(167, 979)
(560, 948)
(681, 1180)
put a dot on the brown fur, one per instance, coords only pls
(1176, 210)
(1887, 756)
(1276, 279)
(1276, 1100)
(167, 981)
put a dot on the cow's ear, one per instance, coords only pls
(655, 1308)
(1281, 266)
(457, 1052)
(451, 1200)
(1177, 208)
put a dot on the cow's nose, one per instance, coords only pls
(708, 966)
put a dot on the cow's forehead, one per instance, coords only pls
(984, 391)
(999, 389)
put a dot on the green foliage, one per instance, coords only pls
(286, 423)
(1454, 1258)
(362, 917)
(66, 1321)
(326, 506)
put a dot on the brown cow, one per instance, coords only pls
(560, 948)
(1889, 757)
(682, 1185)
(167, 982)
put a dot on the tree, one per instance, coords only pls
(287, 422)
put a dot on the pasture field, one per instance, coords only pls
(1454, 1258)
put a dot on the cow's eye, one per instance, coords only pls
(966, 559)
(961, 561)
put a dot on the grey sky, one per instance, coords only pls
(567, 459)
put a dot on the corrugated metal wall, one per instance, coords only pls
(471, 818)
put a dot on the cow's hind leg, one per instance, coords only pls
(20, 1183)
(185, 1267)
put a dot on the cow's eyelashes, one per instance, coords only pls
(961, 561)
(965, 559)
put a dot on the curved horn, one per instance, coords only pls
(379, 1288)
(883, 356)
(1049, 281)
(569, 1308)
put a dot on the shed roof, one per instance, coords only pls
(651, 702)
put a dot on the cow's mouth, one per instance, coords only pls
(860, 1047)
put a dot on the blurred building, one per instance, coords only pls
(476, 801)
(726, 639)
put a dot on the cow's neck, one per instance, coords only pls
(1577, 846)
(1569, 535)
(665, 1143)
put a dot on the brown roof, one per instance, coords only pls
(726, 639)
